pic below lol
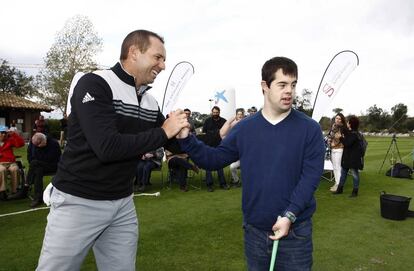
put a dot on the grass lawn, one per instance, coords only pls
(198, 230)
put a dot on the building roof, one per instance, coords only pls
(8, 100)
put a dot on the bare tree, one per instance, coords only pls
(74, 50)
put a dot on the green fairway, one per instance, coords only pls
(198, 230)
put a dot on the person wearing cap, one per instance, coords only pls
(8, 141)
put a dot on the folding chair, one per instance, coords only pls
(328, 170)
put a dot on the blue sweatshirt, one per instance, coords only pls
(280, 164)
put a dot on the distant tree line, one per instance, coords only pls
(375, 120)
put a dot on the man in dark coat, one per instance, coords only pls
(211, 129)
(43, 154)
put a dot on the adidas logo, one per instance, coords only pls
(87, 98)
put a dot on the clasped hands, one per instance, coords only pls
(176, 124)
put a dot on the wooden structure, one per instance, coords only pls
(24, 112)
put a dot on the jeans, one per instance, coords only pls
(354, 173)
(209, 177)
(294, 251)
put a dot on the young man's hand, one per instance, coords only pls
(183, 133)
(281, 228)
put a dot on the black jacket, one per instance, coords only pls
(49, 153)
(109, 128)
(211, 128)
(352, 156)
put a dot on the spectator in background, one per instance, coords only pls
(336, 147)
(190, 120)
(178, 164)
(8, 141)
(236, 165)
(13, 127)
(43, 154)
(148, 162)
(252, 110)
(41, 126)
(351, 157)
(211, 128)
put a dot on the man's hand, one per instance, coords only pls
(177, 120)
(281, 228)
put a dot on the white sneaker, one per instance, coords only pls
(333, 188)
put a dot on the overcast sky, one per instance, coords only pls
(228, 42)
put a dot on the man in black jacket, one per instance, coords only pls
(113, 121)
(211, 128)
(43, 154)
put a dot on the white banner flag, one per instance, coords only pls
(338, 70)
(225, 99)
(178, 78)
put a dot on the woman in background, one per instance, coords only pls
(337, 148)
(351, 158)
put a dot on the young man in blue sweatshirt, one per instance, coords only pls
(281, 154)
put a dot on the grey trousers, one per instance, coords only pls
(75, 224)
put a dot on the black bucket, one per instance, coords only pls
(394, 207)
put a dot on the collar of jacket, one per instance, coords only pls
(127, 78)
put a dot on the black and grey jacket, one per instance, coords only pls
(111, 125)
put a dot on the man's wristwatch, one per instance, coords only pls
(291, 216)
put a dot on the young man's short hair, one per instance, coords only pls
(271, 66)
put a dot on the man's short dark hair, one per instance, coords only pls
(271, 66)
(140, 38)
(188, 110)
(215, 108)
